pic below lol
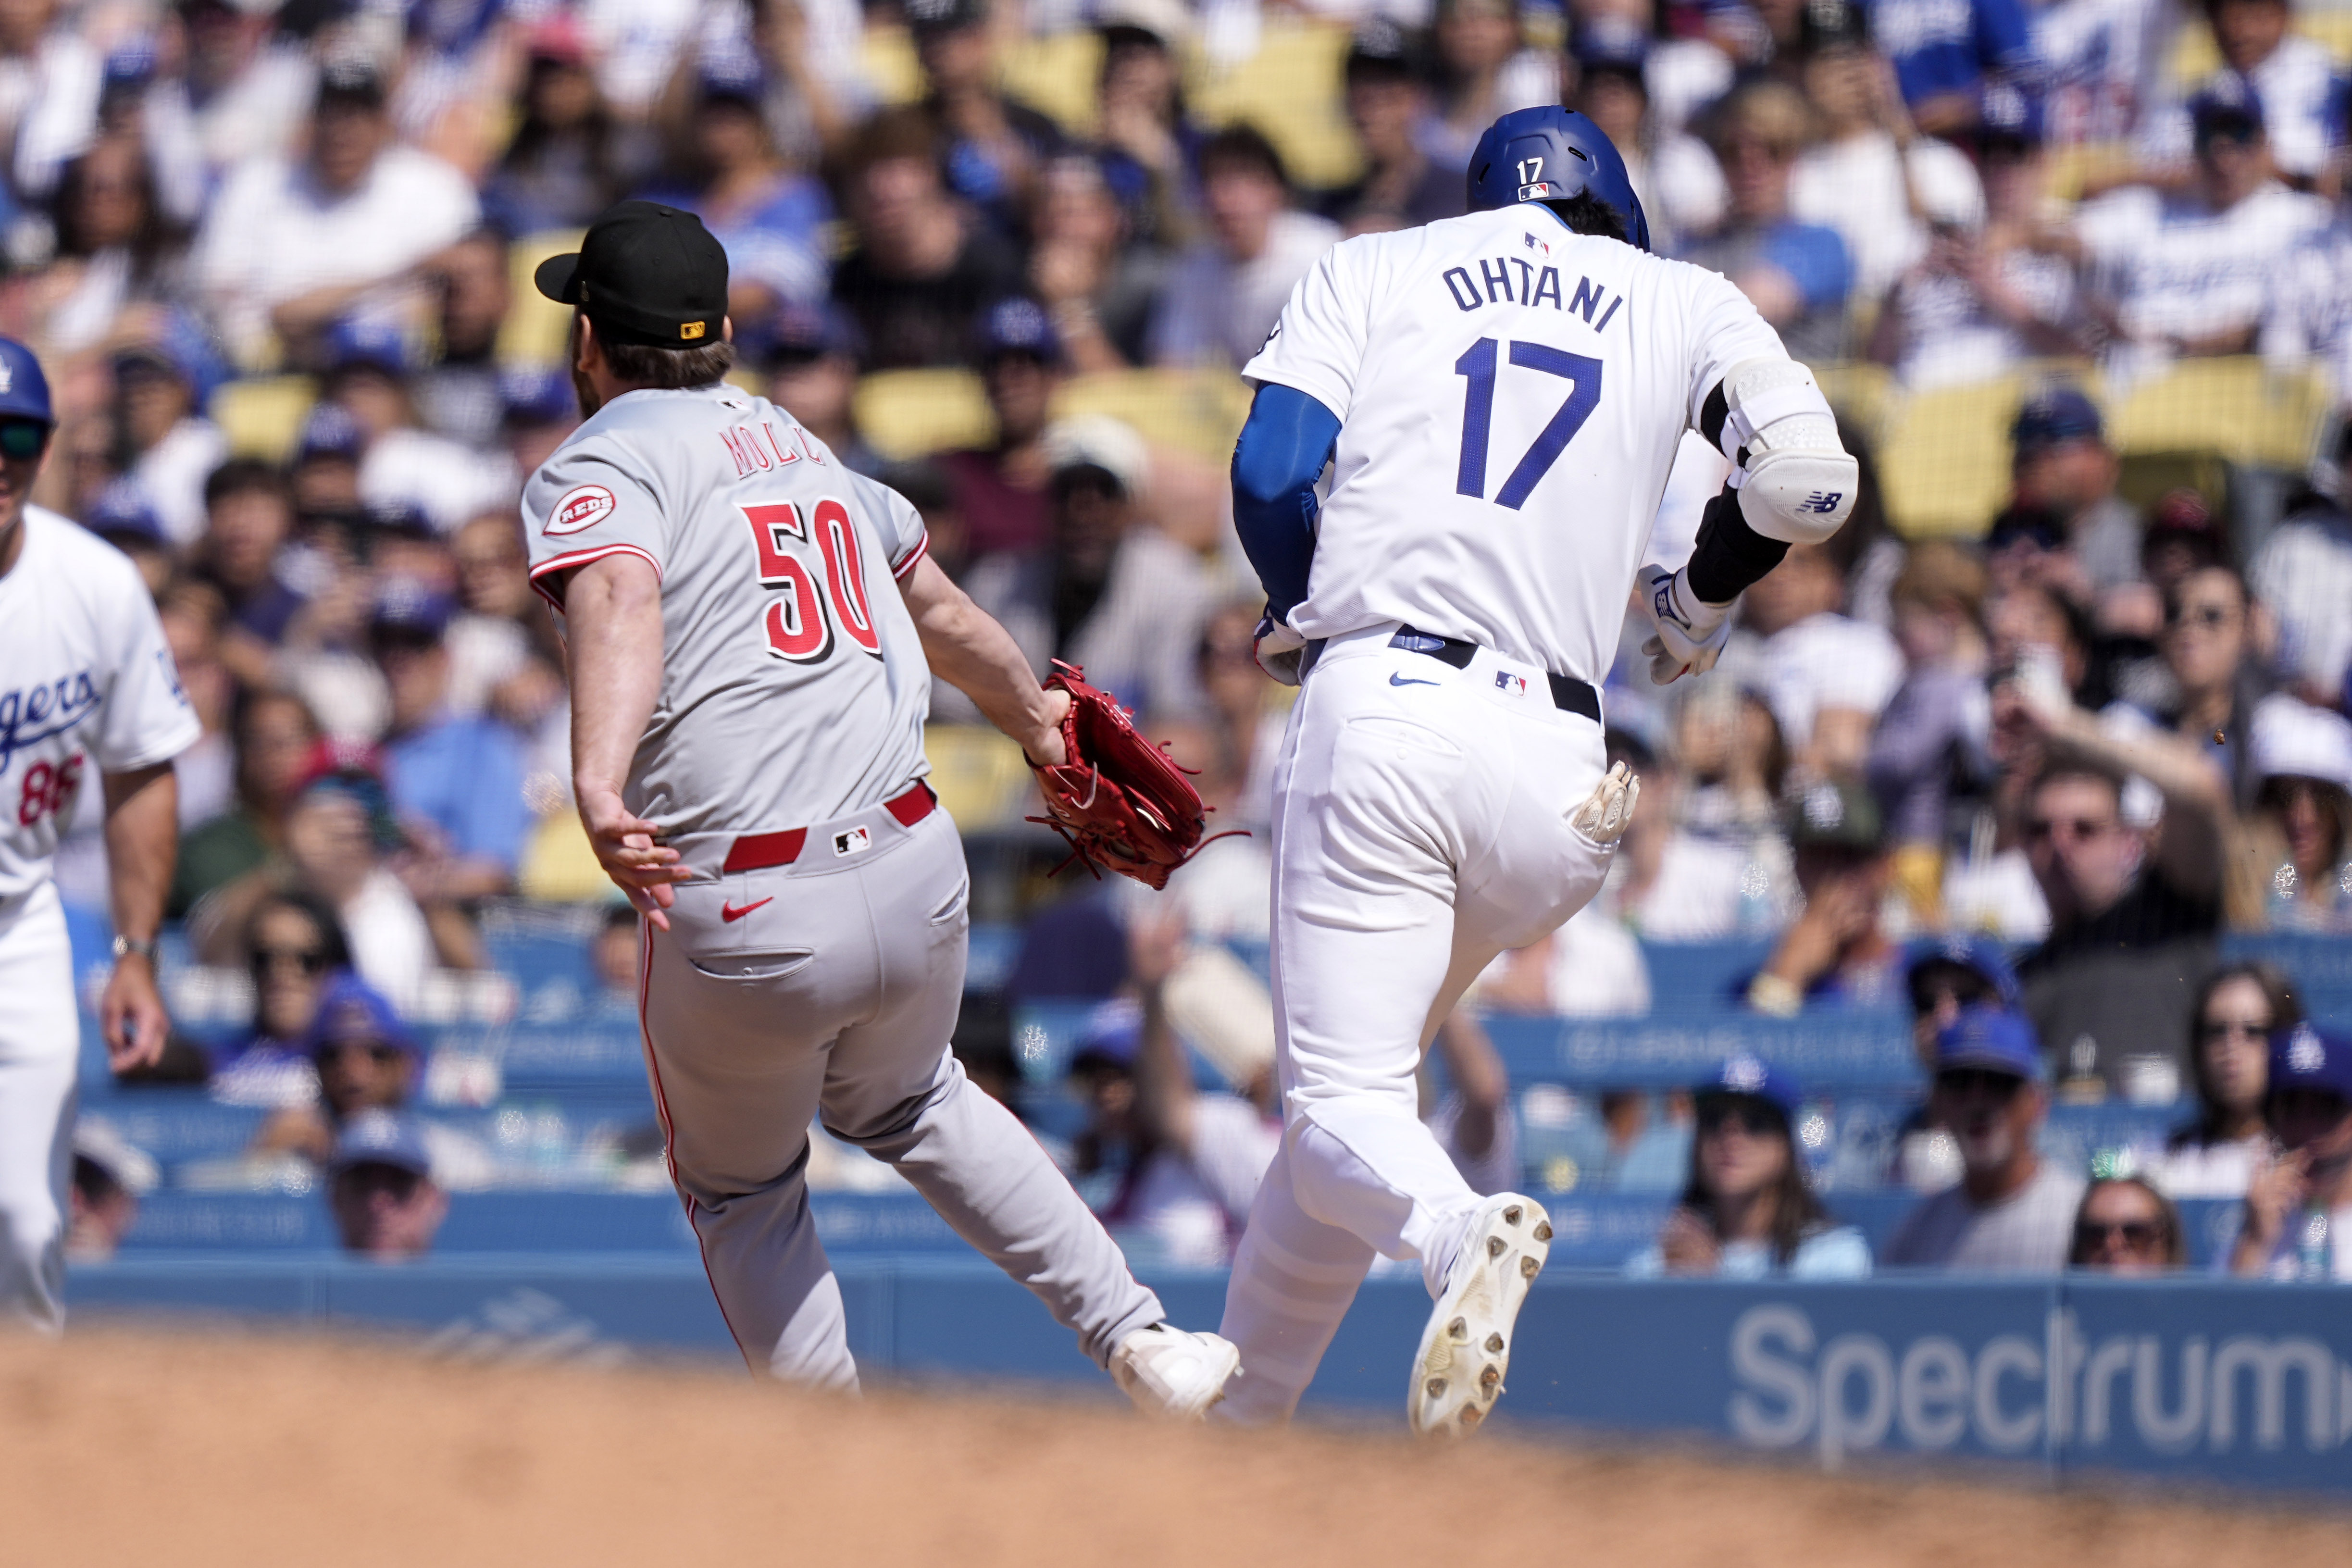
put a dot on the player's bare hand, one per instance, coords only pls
(1690, 632)
(131, 1017)
(1043, 746)
(624, 845)
(1608, 811)
(2275, 1192)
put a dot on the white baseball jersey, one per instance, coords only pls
(1511, 395)
(86, 687)
(793, 684)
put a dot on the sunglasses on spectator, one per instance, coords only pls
(2223, 1029)
(310, 960)
(22, 438)
(1964, 1081)
(2082, 829)
(2139, 1234)
(382, 1053)
(1750, 1117)
(2206, 617)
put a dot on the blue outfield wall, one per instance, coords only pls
(2235, 1384)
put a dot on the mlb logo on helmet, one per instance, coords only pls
(1515, 685)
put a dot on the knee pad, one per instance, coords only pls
(1795, 480)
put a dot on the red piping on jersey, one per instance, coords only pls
(582, 558)
(669, 1131)
(922, 548)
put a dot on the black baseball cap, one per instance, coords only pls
(645, 274)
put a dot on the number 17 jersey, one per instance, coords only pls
(1510, 396)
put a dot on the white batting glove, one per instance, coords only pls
(1691, 632)
(1279, 650)
(1608, 809)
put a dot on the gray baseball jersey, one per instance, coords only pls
(793, 684)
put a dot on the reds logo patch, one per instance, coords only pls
(584, 507)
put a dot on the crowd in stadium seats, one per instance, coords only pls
(2012, 759)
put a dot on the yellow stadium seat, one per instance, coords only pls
(887, 55)
(978, 774)
(1943, 462)
(2194, 58)
(1198, 412)
(2071, 169)
(1056, 75)
(1860, 393)
(558, 866)
(2234, 408)
(262, 415)
(906, 414)
(1290, 90)
(536, 327)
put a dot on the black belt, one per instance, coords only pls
(1569, 694)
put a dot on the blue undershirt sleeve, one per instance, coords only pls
(1282, 449)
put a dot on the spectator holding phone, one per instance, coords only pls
(2298, 1218)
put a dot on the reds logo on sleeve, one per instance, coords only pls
(584, 507)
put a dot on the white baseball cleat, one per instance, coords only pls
(1466, 1347)
(1170, 1372)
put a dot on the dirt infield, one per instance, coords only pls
(160, 1449)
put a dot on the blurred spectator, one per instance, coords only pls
(117, 251)
(242, 94)
(387, 1206)
(324, 474)
(920, 272)
(110, 1174)
(1932, 741)
(1484, 70)
(287, 248)
(367, 370)
(2307, 315)
(1227, 290)
(122, 518)
(538, 410)
(1245, 718)
(167, 449)
(292, 943)
(2300, 831)
(1098, 278)
(1945, 56)
(1827, 676)
(457, 397)
(2303, 576)
(2126, 1225)
(1386, 95)
(1680, 186)
(2066, 528)
(766, 214)
(1475, 1123)
(368, 1065)
(193, 612)
(2298, 1222)
(1589, 968)
(1111, 593)
(1148, 140)
(1835, 951)
(570, 157)
(1723, 867)
(990, 146)
(2206, 646)
(485, 641)
(1797, 274)
(812, 368)
(456, 781)
(2104, 66)
(1870, 176)
(52, 109)
(2010, 1213)
(274, 734)
(2295, 80)
(613, 952)
(1944, 976)
(2188, 273)
(1747, 1211)
(2237, 1009)
(1000, 491)
(1984, 298)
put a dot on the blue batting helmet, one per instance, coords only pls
(1549, 154)
(23, 390)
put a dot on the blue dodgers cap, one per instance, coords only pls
(2227, 107)
(23, 390)
(2307, 1056)
(2006, 112)
(1112, 1037)
(1994, 1038)
(1980, 954)
(1754, 1077)
(1018, 326)
(409, 609)
(2055, 415)
(536, 395)
(351, 1012)
(1610, 43)
(122, 512)
(382, 1138)
(330, 432)
(358, 342)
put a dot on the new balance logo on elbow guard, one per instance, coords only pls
(1822, 502)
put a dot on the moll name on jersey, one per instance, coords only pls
(1510, 280)
(31, 714)
(761, 450)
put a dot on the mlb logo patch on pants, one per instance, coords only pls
(856, 841)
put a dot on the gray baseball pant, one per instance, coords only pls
(829, 992)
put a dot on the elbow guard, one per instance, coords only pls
(1795, 480)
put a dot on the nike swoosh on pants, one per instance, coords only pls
(730, 914)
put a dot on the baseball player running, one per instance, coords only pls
(87, 687)
(752, 629)
(1499, 397)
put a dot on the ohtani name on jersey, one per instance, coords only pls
(1512, 281)
(761, 450)
(32, 715)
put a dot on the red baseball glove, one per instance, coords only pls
(1121, 801)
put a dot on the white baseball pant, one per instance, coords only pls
(1421, 826)
(831, 992)
(40, 1038)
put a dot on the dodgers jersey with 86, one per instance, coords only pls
(793, 686)
(1506, 434)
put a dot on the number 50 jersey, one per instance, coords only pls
(1510, 396)
(793, 684)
